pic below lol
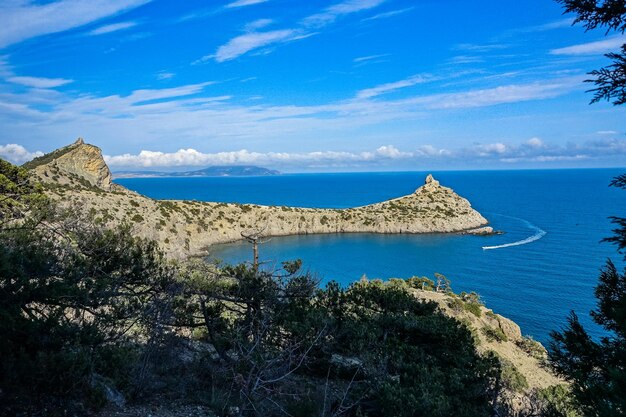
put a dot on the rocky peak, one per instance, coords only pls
(78, 160)
(431, 180)
(430, 184)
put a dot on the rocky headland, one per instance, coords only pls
(78, 178)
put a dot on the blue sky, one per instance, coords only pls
(353, 85)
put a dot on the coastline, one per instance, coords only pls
(79, 179)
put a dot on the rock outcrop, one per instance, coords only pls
(76, 162)
(78, 177)
(524, 354)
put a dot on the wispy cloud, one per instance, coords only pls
(164, 75)
(245, 43)
(487, 47)
(242, 44)
(389, 87)
(592, 48)
(242, 3)
(386, 15)
(188, 113)
(39, 82)
(362, 59)
(513, 93)
(112, 28)
(21, 20)
(545, 27)
(330, 14)
(17, 154)
(258, 24)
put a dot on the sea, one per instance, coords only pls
(545, 264)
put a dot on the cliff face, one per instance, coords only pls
(78, 162)
(78, 177)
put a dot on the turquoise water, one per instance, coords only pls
(555, 220)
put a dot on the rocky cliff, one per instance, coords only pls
(78, 162)
(78, 177)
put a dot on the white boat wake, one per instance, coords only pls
(539, 233)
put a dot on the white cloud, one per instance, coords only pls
(245, 43)
(392, 152)
(112, 28)
(39, 82)
(535, 143)
(21, 20)
(607, 132)
(386, 88)
(242, 3)
(498, 152)
(430, 150)
(192, 157)
(491, 149)
(17, 154)
(386, 15)
(592, 48)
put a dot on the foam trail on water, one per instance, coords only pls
(539, 233)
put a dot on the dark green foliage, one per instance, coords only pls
(610, 81)
(556, 401)
(619, 233)
(378, 350)
(416, 361)
(70, 294)
(19, 195)
(512, 379)
(421, 283)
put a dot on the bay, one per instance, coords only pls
(544, 265)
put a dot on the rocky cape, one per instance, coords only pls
(78, 178)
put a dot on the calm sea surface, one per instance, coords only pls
(555, 220)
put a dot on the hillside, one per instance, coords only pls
(78, 177)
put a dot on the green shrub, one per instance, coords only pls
(531, 347)
(456, 304)
(494, 334)
(475, 309)
(511, 377)
(421, 283)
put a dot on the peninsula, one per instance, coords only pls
(78, 178)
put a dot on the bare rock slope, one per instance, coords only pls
(78, 177)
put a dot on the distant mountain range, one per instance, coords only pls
(214, 171)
